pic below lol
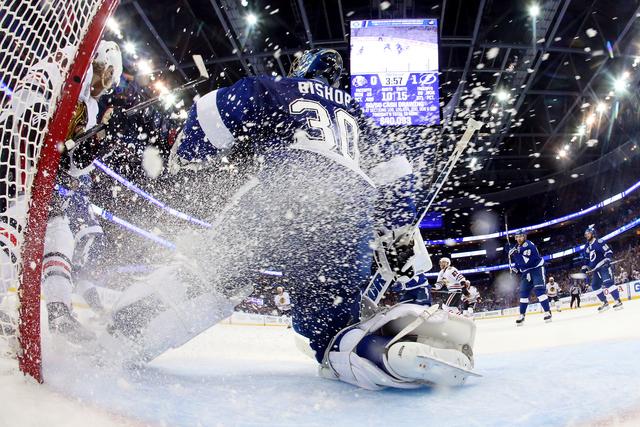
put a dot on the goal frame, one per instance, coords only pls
(29, 292)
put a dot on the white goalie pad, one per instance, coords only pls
(184, 318)
(437, 349)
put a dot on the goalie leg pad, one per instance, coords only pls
(414, 360)
(441, 343)
(169, 329)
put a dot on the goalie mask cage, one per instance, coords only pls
(41, 41)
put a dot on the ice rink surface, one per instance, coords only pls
(581, 369)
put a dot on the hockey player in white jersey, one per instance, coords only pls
(32, 94)
(470, 300)
(552, 293)
(450, 279)
(309, 211)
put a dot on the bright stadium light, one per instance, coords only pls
(620, 84)
(113, 25)
(129, 48)
(590, 120)
(601, 108)
(562, 153)
(503, 96)
(534, 10)
(252, 19)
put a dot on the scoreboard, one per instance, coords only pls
(394, 70)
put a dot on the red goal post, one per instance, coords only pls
(33, 31)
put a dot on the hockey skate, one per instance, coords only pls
(547, 316)
(520, 320)
(603, 307)
(62, 322)
(618, 305)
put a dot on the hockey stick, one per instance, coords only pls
(590, 271)
(506, 229)
(383, 277)
(204, 76)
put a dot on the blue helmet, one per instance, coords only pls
(319, 64)
(591, 229)
(522, 232)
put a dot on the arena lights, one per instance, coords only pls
(601, 107)
(252, 19)
(144, 67)
(147, 196)
(534, 10)
(556, 255)
(603, 203)
(109, 216)
(272, 273)
(129, 48)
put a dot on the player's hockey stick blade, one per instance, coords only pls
(204, 76)
(449, 365)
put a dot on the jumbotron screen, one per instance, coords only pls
(394, 70)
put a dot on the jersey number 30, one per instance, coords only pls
(340, 133)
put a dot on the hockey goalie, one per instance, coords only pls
(327, 180)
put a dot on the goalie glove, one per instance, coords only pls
(404, 253)
(378, 353)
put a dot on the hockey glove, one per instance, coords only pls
(438, 286)
(584, 268)
(514, 270)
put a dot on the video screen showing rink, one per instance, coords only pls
(394, 70)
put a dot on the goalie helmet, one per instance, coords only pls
(318, 64)
(109, 54)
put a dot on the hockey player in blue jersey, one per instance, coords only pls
(598, 259)
(530, 264)
(309, 212)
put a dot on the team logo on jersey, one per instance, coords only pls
(427, 79)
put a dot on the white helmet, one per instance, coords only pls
(279, 289)
(551, 278)
(445, 260)
(109, 54)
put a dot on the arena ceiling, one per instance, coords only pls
(558, 92)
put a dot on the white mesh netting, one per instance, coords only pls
(39, 40)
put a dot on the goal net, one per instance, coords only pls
(46, 47)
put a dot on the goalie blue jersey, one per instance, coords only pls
(300, 115)
(596, 252)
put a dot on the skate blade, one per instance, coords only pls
(548, 320)
(619, 308)
(604, 309)
(456, 368)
